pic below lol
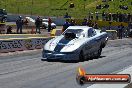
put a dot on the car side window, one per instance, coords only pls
(91, 32)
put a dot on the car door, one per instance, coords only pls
(93, 41)
(89, 44)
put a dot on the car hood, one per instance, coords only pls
(60, 44)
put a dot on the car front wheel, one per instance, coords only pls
(81, 56)
(99, 52)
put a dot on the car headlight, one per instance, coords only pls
(71, 52)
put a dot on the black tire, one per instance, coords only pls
(99, 52)
(103, 45)
(48, 60)
(81, 56)
(42, 59)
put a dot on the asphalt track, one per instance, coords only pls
(26, 70)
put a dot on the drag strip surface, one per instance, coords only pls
(28, 71)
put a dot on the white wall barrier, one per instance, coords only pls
(12, 45)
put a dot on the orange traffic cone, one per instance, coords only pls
(32, 31)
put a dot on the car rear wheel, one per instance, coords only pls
(81, 56)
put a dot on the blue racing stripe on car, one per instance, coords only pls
(61, 44)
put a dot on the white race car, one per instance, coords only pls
(45, 24)
(75, 43)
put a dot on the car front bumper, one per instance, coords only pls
(61, 56)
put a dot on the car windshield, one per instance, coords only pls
(77, 32)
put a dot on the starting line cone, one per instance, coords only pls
(32, 31)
